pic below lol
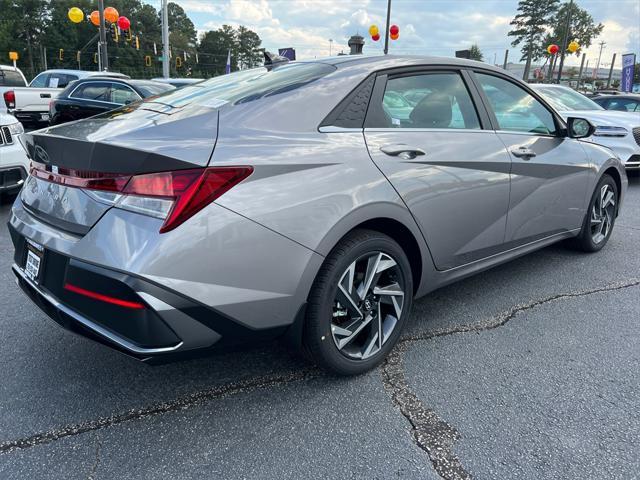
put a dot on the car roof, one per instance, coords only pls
(86, 73)
(344, 61)
(633, 96)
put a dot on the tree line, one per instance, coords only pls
(41, 33)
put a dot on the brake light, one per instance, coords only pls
(10, 98)
(103, 298)
(172, 196)
(190, 190)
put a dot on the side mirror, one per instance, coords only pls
(579, 128)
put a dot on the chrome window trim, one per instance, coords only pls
(439, 130)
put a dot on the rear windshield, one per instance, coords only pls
(246, 85)
(11, 78)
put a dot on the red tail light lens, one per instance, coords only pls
(173, 196)
(10, 98)
(191, 190)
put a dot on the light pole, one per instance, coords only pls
(386, 34)
(330, 45)
(102, 44)
(165, 39)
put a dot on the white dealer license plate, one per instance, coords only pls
(35, 253)
(44, 117)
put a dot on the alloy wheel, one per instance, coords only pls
(368, 305)
(602, 214)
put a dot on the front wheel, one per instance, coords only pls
(600, 218)
(358, 304)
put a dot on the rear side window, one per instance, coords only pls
(11, 78)
(93, 91)
(60, 80)
(516, 109)
(433, 100)
(248, 85)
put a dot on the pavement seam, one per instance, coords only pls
(177, 404)
(96, 463)
(431, 433)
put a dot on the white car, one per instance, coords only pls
(14, 164)
(620, 131)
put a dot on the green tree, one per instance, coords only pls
(476, 53)
(248, 48)
(213, 49)
(182, 39)
(529, 27)
(582, 27)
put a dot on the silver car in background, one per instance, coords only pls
(304, 200)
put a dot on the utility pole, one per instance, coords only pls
(506, 57)
(584, 56)
(386, 34)
(613, 62)
(602, 45)
(330, 45)
(165, 38)
(102, 46)
(565, 40)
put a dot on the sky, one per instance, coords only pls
(427, 27)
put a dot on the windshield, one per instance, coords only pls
(153, 88)
(565, 99)
(246, 85)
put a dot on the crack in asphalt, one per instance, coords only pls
(94, 468)
(431, 433)
(179, 403)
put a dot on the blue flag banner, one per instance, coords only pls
(628, 64)
(228, 67)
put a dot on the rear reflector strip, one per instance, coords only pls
(103, 298)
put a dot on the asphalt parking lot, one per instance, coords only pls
(530, 370)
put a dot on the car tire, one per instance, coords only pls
(599, 219)
(361, 255)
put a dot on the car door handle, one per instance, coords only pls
(45, 95)
(523, 152)
(403, 151)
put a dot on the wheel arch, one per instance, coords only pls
(615, 174)
(393, 220)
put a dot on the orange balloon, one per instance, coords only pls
(95, 18)
(394, 37)
(111, 15)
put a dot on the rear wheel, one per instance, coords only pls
(358, 304)
(600, 218)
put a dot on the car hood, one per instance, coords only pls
(612, 118)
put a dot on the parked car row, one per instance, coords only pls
(14, 164)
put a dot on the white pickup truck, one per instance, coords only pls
(31, 104)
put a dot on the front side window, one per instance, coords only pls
(430, 100)
(516, 109)
(40, 81)
(93, 91)
(122, 94)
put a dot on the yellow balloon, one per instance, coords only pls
(373, 30)
(573, 47)
(75, 15)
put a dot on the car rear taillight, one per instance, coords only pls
(9, 98)
(172, 196)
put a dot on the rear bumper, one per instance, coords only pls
(170, 327)
(30, 116)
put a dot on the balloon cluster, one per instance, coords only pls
(394, 32)
(573, 47)
(111, 15)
